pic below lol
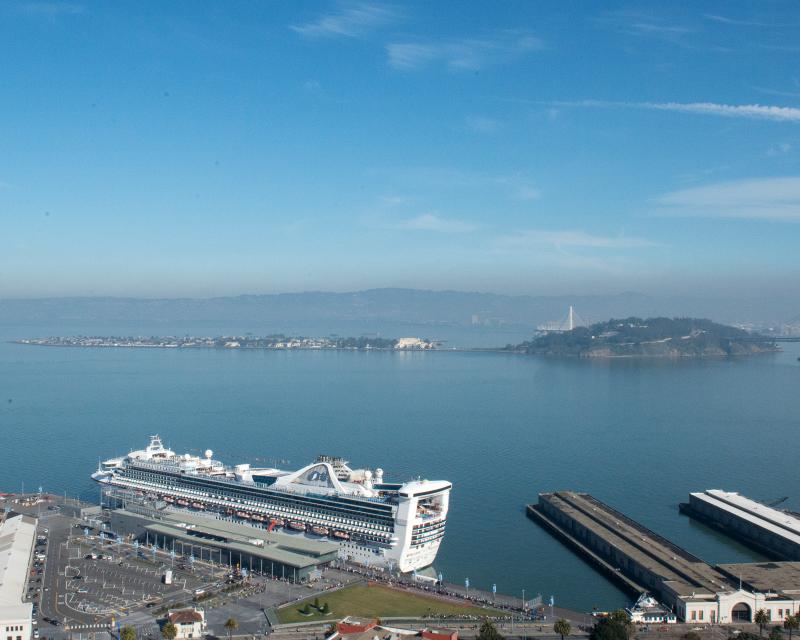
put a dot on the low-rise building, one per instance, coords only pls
(352, 628)
(189, 623)
(17, 540)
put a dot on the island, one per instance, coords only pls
(275, 341)
(651, 337)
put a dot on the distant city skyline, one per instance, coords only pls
(211, 149)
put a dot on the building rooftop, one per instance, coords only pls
(17, 537)
(293, 551)
(185, 616)
(778, 522)
(766, 577)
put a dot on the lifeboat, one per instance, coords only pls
(169, 499)
(197, 505)
(183, 503)
(243, 514)
(257, 517)
(139, 493)
(297, 526)
(320, 531)
(341, 535)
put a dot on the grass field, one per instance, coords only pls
(376, 601)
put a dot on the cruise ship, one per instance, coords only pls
(375, 523)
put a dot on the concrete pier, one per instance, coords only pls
(641, 560)
(637, 557)
(774, 533)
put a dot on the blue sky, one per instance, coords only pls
(216, 148)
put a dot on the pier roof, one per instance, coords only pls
(778, 522)
(766, 577)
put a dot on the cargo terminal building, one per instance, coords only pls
(210, 539)
(17, 539)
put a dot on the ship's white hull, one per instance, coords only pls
(398, 555)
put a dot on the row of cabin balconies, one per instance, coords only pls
(379, 532)
(199, 494)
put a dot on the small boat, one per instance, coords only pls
(197, 505)
(169, 499)
(297, 526)
(257, 517)
(341, 535)
(320, 531)
(243, 514)
(182, 502)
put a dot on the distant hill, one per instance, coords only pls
(653, 337)
(412, 306)
(371, 310)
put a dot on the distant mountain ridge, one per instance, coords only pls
(368, 307)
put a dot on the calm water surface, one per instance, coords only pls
(638, 435)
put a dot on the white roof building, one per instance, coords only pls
(17, 538)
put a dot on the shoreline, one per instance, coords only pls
(495, 350)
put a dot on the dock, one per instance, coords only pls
(639, 558)
(770, 531)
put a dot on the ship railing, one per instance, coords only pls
(167, 466)
(283, 512)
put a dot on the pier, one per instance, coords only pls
(774, 533)
(641, 560)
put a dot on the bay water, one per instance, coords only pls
(637, 434)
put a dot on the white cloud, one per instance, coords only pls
(782, 149)
(481, 124)
(468, 54)
(570, 239)
(350, 21)
(750, 111)
(528, 193)
(758, 198)
(431, 222)
(748, 23)
(50, 10)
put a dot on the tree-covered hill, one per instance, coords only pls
(652, 337)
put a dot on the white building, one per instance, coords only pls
(190, 623)
(771, 586)
(17, 539)
(412, 343)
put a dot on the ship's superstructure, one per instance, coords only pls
(397, 525)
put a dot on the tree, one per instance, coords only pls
(488, 631)
(791, 623)
(231, 625)
(761, 619)
(316, 603)
(610, 628)
(562, 627)
(169, 631)
(127, 633)
(324, 609)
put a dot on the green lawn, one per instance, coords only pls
(376, 601)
